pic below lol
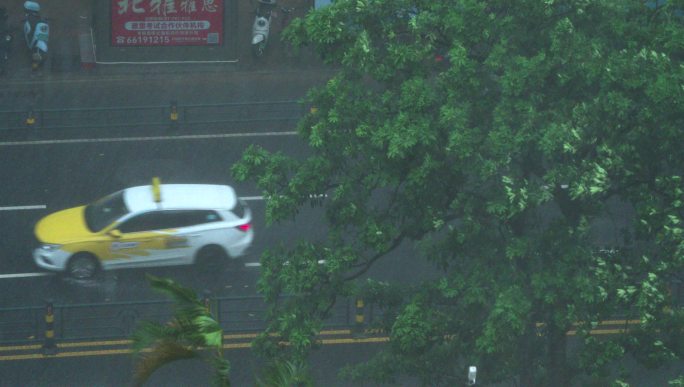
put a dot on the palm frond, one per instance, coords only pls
(148, 333)
(191, 311)
(180, 294)
(210, 330)
(222, 371)
(193, 332)
(164, 352)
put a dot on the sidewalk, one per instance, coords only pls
(69, 18)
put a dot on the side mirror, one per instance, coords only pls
(115, 233)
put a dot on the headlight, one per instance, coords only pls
(49, 247)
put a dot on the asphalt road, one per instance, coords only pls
(150, 86)
(116, 370)
(47, 170)
(48, 175)
(51, 177)
(84, 172)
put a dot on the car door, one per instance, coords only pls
(139, 241)
(188, 234)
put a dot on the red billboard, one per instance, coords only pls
(167, 22)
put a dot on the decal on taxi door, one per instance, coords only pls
(124, 245)
(174, 242)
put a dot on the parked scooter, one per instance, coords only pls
(5, 41)
(262, 26)
(36, 33)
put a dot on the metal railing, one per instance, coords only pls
(117, 320)
(154, 115)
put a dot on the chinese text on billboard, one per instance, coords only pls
(167, 22)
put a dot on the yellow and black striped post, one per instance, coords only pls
(207, 300)
(173, 116)
(30, 118)
(360, 316)
(49, 347)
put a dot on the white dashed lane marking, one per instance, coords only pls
(16, 208)
(151, 138)
(24, 275)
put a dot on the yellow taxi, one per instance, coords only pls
(145, 226)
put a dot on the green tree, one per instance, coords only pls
(497, 136)
(192, 333)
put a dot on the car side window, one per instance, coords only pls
(148, 221)
(193, 217)
(162, 220)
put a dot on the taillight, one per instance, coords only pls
(244, 227)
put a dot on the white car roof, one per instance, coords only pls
(181, 197)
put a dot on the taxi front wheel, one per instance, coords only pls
(82, 266)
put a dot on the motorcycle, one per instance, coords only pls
(262, 26)
(5, 41)
(36, 33)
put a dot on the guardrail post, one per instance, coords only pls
(359, 320)
(49, 347)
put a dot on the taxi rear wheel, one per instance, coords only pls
(211, 257)
(82, 266)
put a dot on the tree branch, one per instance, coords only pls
(367, 265)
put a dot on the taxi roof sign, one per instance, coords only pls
(156, 189)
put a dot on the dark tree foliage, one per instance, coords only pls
(499, 137)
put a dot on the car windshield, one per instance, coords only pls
(105, 211)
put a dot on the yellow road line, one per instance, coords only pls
(21, 347)
(620, 322)
(241, 336)
(34, 356)
(94, 343)
(604, 322)
(253, 335)
(105, 352)
(335, 332)
(29, 347)
(126, 351)
(237, 345)
(105, 343)
(356, 341)
(600, 332)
